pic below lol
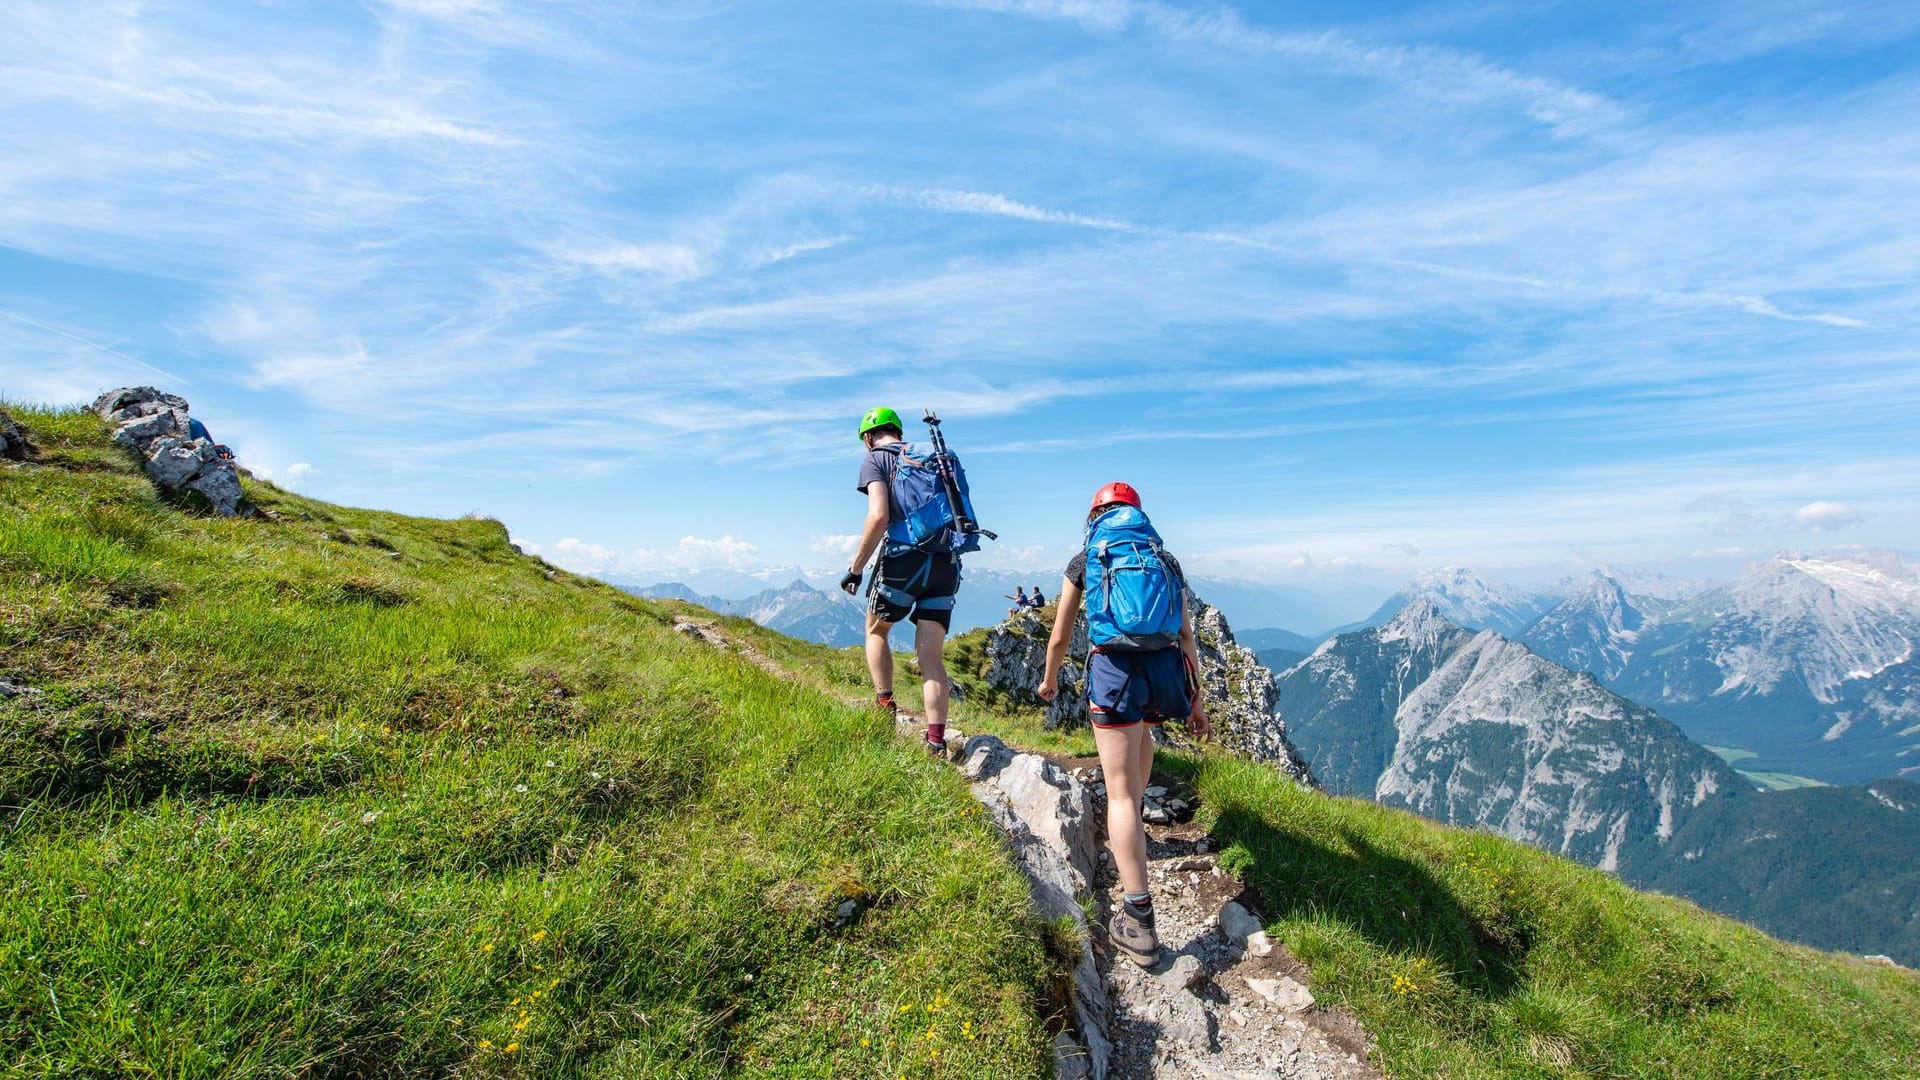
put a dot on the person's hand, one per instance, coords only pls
(1197, 725)
(850, 583)
(1049, 689)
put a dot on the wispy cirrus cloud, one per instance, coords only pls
(1445, 74)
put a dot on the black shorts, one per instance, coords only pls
(1128, 687)
(916, 584)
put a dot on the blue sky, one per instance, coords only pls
(1522, 286)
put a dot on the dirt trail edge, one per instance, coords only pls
(1223, 1003)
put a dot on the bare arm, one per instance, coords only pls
(1197, 718)
(874, 528)
(1062, 638)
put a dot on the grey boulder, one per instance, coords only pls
(13, 441)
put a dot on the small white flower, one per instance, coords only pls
(596, 776)
(549, 763)
(521, 788)
(369, 817)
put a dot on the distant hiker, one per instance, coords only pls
(1039, 601)
(1019, 599)
(198, 430)
(920, 519)
(1140, 672)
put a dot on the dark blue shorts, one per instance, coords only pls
(1129, 687)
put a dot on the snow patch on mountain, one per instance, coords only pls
(1821, 621)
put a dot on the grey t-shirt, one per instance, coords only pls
(878, 467)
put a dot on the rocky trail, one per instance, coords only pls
(1223, 1002)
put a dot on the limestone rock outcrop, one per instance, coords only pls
(1047, 818)
(155, 426)
(1017, 658)
(1242, 696)
(13, 441)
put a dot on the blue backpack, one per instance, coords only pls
(1133, 601)
(926, 519)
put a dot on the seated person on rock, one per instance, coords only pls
(198, 430)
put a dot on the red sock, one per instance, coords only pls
(936, 732)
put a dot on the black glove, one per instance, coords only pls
(851, 583)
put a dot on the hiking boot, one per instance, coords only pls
(1132, 934)
(884, 702)
(936, 747)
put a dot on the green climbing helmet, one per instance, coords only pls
(878, 418)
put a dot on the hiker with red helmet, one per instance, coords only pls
(1140, 672)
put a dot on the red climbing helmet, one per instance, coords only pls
(1117, 492)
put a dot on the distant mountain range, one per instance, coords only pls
(1472, 728)
(983, 601)
(1804, 665)
(797, 610)
(1467, 599)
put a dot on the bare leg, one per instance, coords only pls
(879, 654)
(929, 643)
(1121, 757)
(1143, 764)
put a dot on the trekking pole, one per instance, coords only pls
(960, 519)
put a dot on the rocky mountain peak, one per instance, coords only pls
(1421, 622)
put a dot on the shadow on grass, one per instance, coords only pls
(1397, 904)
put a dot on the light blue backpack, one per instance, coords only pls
(1133, 602)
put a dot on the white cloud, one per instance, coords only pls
(1824, 516)
(784, 252)
(1442, 74)
(836, 545)
(690, 554)
(675, 262)
(331, 375)
(993, 205)
(298, 472)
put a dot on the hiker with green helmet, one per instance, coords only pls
(1142, 667)
(916, 576)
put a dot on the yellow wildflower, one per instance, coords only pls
(512, 1046)
(488, 947)
(553, 984)
(537, 938)
(486, 1044)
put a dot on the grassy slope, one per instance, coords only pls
(354, 793)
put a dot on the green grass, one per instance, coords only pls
(351, 793)
(1780, 781)
(1469, 956)
(1772, 781)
